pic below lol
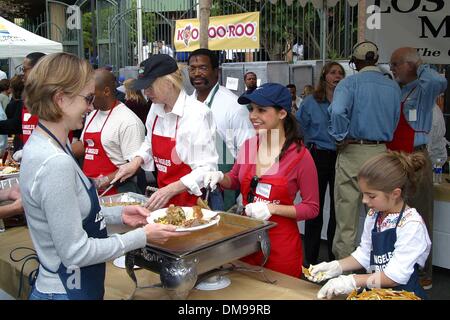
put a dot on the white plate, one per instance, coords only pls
(120, 263)
(189, 212)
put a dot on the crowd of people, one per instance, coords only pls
(268, 153)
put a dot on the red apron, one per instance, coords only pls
(96, 161)
(286, 254)
(403, 139)
(29, 122)
(169, 166)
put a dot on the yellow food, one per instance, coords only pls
(382, 294)
(8, 170)
(307, 272)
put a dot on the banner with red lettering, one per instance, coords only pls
(237, 31)
(422, 24)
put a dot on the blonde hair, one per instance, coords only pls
(175, 78)
(54, 73)
(131, 94)
(391, 170)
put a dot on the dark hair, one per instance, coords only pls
(391, 170)
(291, 85)
(320, 91)
(291, 132)
(250, 72)
(17, 85)
(206, 52)
(34, 57)
(4, 85)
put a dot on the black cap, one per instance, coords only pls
(154, 67)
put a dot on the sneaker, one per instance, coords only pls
(426, 283)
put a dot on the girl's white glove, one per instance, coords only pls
(337, 286)
(324, 271)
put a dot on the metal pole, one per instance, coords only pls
(139, 30)
(205, 11)
(323, 33)
(93, 31)
(346, 30)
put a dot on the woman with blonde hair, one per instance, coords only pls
(180, 142)
(66, 223)
(135, 100)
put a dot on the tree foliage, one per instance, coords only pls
(10, 9)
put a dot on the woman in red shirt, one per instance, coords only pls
(270, 169)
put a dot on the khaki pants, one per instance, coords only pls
(347, 196)
(423, 201)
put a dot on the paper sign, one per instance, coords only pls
(232, 83)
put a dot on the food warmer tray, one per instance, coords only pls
(123, 197)
(181, 262)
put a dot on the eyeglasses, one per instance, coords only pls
(89, 99)
(202, 69)
(396, 64)
(251, 194)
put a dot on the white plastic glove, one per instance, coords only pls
(17, 156)
(324, 271)
(258, 210)
(337, 286)
(212, 178)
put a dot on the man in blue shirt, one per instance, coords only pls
(420, 85)
(363, 116)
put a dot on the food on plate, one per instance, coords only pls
(382, 294)
(115, 204)
(176, 216)
(8, 170)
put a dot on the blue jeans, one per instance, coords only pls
(215, 200)
(37, 295)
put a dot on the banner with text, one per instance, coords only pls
(237, 31)
(422, 24)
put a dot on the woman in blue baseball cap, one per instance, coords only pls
(270, 170)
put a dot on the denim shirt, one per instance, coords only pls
(314, 119)
(365, 106)
(428, 85)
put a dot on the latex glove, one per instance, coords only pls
(17, 156)
(212, 178)
(337, 286)
(324, 271)
(258, 210)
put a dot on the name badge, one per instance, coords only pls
(263, 189)
(26, 116)
(412, 115)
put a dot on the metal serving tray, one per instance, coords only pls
(124, 197)
(181, 261)
(8, 183)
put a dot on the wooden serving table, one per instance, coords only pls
(118, 285)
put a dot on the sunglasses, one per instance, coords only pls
(89, 99)
(251, 194)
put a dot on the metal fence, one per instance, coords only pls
(115, 29)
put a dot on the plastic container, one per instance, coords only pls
(437, 171)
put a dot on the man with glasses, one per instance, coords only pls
(232, 120)
(420, 86)
(111, 134)
(364, 113)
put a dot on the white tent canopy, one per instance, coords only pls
(17, 42)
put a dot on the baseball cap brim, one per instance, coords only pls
(255, 98)
(144, 83)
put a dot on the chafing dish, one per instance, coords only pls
(182, 262)
(8, 183)
(124, 198)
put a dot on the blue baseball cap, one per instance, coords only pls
(269, 95)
